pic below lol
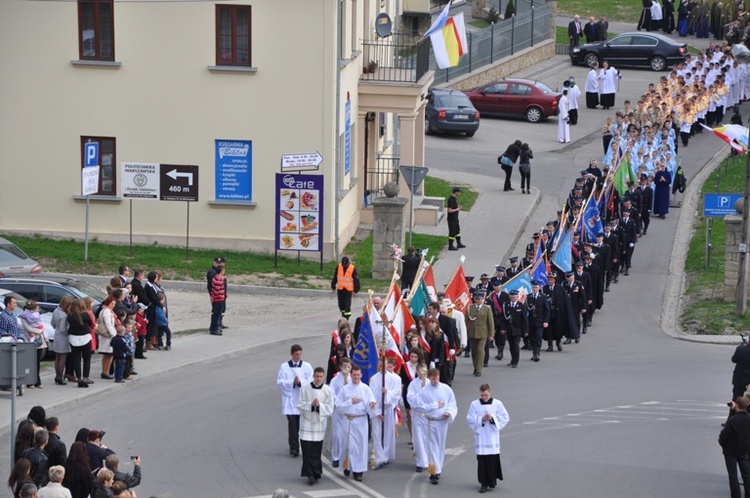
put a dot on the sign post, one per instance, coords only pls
(414, 175)
(89, 185)
(179, 183)
(716, 206)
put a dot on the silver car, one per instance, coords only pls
(14, 260)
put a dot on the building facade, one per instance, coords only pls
(227, 87)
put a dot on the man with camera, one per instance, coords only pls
(735, 442)
(112, 462)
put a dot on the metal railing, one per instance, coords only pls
(399, 58)
(385, 170)
(500, 40)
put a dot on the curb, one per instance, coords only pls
(672, 304)
(527, 216)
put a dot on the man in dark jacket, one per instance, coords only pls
(410, 266)
(515, 325)
(735, 443)
(38, 458)
(741, 375)
(646, 203)
(112, 462)
(55, 449)
(539, 313)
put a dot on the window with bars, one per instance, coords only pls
(96, 30)
(233, 35)
(107, 163)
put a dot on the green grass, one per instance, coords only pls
(435, 187)
(561, 35)
(702, 312)
(480, 23)
(615, 11)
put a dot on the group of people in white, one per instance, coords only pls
(358, 409)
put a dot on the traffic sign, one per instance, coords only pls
(719, 205)
(140, 180)
(90, 180)
(301, 162)
(178, 183)
(91, 154)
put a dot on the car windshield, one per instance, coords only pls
(88, 289)
(454, 100)
(544, 88)
(13, 250)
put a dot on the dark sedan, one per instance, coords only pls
(450, 111)
(517, 97)
(632, 49)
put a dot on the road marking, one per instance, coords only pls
(338, 476)
(323, 493)
(455, 451)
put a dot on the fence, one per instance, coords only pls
(532, 25)
(400, 57)
(385, 170)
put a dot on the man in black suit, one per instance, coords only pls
(584, 279)
(496, 300)
(539, 314)
(629, 239)
(574, 32)
(590, 30)
(448, 327)
(741, 375)
(515, 325)
(578, 303)
(647, 203)
(55, 449)
(735, 443)
(409, 268)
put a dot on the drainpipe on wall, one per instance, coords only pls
(337, 154)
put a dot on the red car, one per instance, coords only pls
(516, 97)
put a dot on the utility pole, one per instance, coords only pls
(743, 259)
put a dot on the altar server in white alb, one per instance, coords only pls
(563, 119)
(292, 375)
(609, 77)
(573, 94)
(315, 405)
(487, 417)
(592, 87)
(384, 423)
(440, 407)
(418, 422)
(339, 422)
(356, 403)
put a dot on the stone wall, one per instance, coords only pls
(732, 239)
(387, 229)
(505, 67)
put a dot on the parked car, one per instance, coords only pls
(47, 290)
(516, 97)
(450, 111)
(14, 260)
(49, 330)
(632, 49)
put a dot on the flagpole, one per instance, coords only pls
(417, 280)
(390, 286)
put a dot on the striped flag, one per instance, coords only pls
(734, 135)
(448, 37)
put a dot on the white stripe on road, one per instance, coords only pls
(324, 493)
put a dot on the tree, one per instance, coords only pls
(492, 16)
(510, 9)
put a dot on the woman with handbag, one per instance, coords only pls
(79, 335)
(524, 166)
(507, 160)
(105, 329)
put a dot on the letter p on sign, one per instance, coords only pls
(91, 154)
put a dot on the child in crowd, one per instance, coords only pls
(130, 338)
(141, 327)
(33, 328)
(162, 322)
(119, 351)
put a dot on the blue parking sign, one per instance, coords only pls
(91, 154)
(719, 205)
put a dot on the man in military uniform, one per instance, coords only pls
(629, 239)
(497, 299)
(539, 315)
(578, 302)
(584, 279)
(499, 276)
(481, 329)
(484, 284)
(560, 312)
(515, 325)
(472, 291)
(454, 229)
(604, 257)
(613, 237)
(514, 269)
(596, 296)
(647, 202)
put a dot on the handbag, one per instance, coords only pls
(101, 329)
(504, 161)
(525, 169)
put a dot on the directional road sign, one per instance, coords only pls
(178, 183)
(719, 205)
(301, 162)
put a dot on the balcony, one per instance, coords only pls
(400, 58)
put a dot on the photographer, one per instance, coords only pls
(735, 442)
(112, 462)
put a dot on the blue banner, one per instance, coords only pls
(366, 351)
(540, 273)
(233, 170)
(563, 257)
(592, 221)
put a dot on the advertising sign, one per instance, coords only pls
(299, 212)
(347, 137)
(233, 170)
(140, 180)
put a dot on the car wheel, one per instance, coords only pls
(427, 126)
(658, 63)
(470, 134)
(590, 59)
(534, 115)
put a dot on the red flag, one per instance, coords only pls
(458, 290)
(429, 282)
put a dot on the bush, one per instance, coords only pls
(492, 16)
(510, 9)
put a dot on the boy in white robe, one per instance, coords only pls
(418, 422)
(315, 405)
(384, 423)
(440, 410)
(292, 375)
(608, 77)
(339, 422)
(487, 417)
(356, 403)
(563, 119)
